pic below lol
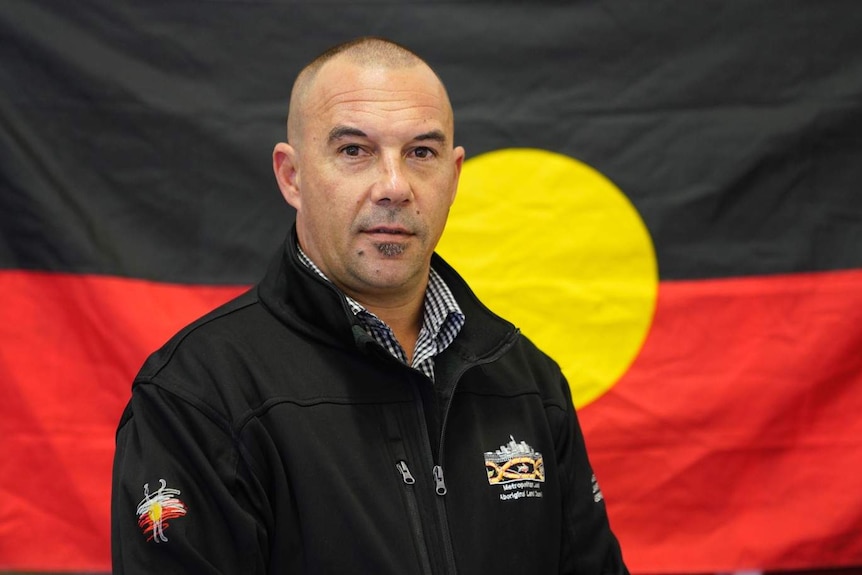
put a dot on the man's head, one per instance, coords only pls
(370, 167)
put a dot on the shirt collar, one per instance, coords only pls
(443, 317)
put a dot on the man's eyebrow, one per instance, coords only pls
(339, 132)
(435, 135)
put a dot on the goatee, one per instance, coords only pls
(390, 249)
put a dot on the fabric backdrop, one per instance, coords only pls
(136, 193)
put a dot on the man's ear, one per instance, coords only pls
(286, 173)
(458, 154)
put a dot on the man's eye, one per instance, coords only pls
(351, 150)
(423, 152)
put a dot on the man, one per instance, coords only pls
(358, 411)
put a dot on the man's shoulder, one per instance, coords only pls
(528, 357)
(209, 334)
(525, 368)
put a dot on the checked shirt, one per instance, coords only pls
(441, 322)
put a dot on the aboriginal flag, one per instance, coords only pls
(699, 164)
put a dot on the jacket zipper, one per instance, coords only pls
(414, 515)
(437, 472)
(439, 481)
(437, 469)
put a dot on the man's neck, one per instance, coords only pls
(402, 310)
(403, 317)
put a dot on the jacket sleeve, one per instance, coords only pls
(589, 547)
(183, 501)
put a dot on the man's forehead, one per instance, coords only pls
(377, 82)
(368, 94)
(342, 91)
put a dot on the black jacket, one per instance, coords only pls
(274, 436)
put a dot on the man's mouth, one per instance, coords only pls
(390, 241)
(388, 230)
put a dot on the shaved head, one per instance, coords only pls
(368, 51)
(371, 169)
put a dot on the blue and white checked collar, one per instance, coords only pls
(441, 322)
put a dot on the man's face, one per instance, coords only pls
(374, 173)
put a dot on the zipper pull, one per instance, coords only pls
(439, 484)
(402, 468)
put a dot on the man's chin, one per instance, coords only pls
(391, 274)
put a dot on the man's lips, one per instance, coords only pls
(387, 231)
(390, 241)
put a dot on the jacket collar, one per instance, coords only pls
(303, 301)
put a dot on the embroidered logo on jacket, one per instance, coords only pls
(514, 462)
(156, 509)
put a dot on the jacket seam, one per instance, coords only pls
(175, 345)
(230, 431)
(274, 402)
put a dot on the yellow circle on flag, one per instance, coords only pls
(555, 247)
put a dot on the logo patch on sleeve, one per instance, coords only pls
(156, 510)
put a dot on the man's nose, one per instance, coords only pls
(393, 186)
